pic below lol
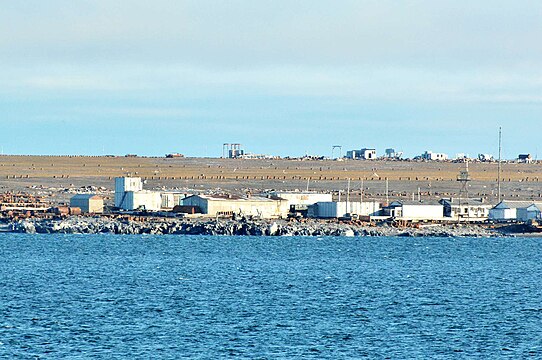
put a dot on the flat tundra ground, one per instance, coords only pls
(433, 180)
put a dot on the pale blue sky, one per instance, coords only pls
(281, 77)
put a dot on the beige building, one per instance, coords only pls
(88, 203)
(300, 197)
(263, 207)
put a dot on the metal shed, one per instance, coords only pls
(229, 205)
(88, 203)
(508, 210)
(335, 209)
(415, 210)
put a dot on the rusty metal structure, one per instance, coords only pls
(23, 202)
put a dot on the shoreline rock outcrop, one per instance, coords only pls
(242, 227)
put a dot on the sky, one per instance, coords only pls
(288, 78)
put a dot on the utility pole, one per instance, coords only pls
(348, 196)
(464, 179)
(387, 195)
(499, 166)
(361, 192)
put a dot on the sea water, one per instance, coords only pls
(209, 297)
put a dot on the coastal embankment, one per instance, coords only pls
(96, 225)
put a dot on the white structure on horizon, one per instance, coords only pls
(364, 154)
(461, 156)
(485, 157)
(392, 154)
(429, 155)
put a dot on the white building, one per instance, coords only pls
(508, 210)
(129, 195)
(124, 184)
(485, 157)
(214, 205)
(300, 198)
(335, 209)
(414, 210)
(88, 203)
(142, 200)
(392, 154)
(429, 155)
(532, 212)
(363, 154)
(171, 199)
(467, 209)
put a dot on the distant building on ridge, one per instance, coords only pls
(432, 156)
(362, 154)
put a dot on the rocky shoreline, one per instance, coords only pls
(242, 227)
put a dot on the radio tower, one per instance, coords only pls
(464, 179)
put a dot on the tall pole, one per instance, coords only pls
(387, 196)
(361, 192)
(348, 195)
(467, 192)
(499, 166)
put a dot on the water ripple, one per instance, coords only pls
(169, 297)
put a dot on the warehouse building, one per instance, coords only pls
(142, 200)
(88, 203)
(129, 195)
(509, 210)
(532, 212)
(172, 199)
(123, 185)
(466, 209)
(299, 198)
(336, 209)
(227, 205)
(414, 210)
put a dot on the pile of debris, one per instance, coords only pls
(23, 202)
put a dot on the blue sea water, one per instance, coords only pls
(110, 296)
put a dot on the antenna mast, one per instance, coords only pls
(387, 194)
(348, 195)
(464, 179)
(361, 192)
(499, 166)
